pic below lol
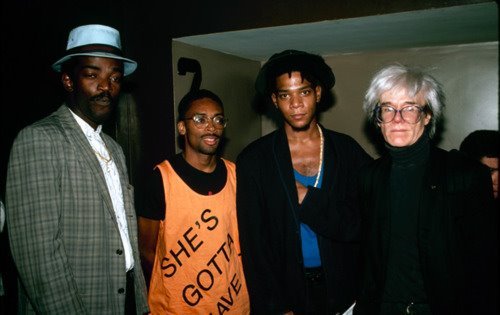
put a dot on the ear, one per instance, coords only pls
(67, 82)
(274, 99)
(181, 128)
(427, 119)
(318, 91)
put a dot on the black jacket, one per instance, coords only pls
(269, 218)
(457, 235)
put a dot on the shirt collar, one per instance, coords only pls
(86, 128)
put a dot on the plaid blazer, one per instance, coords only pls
(62, 227)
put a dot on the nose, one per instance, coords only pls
(295, 101)
(398, 117)
(104, 85)
(210, 124)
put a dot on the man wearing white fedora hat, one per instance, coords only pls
(70, 210)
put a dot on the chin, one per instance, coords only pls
(104, 115)
(301, 126)
(399, 143)
(208, 151)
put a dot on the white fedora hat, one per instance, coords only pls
(97, 41)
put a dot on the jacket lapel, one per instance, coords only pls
(85, 153)
(383, 210)
(430, 208)
(330, 163)
(283, 163)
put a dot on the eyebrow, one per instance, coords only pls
(406, 103)
(92, 67)
(204, 114)
(308, 86)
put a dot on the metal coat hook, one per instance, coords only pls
(185, 65)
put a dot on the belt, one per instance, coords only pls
(314, 274)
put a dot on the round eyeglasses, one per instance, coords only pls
(410, 114)
(202, 120)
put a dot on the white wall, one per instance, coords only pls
(231, 78)
(469, 74)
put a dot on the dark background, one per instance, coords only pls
(34, 35)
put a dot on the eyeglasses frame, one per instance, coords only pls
(421, 109)
(200, 125)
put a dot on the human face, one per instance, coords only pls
(399, 133)
(296, 99)
(205, 140)
(492, 163)
(94, 87)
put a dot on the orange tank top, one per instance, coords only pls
(197, 268)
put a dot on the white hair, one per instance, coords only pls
(415, 81)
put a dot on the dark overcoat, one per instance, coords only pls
(457, 235)
(269, 218)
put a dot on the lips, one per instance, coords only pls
(297, 116)
(210, 139)
(104, 101)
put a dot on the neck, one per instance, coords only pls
(202, 162)
(416, 153)
(80, 114)
(303, 134)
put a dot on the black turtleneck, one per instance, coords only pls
(404, 281)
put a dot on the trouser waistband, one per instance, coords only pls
(409, 308)
(314, 274)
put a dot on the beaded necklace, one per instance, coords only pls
(320, 156)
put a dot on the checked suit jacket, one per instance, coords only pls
(62, 227)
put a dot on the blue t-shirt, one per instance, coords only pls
(310, 249)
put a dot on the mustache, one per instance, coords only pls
(211, 135)
(101, 96)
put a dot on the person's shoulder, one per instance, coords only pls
(346, 144)
(227, 163)
(48, 126)
(257, 147)
(339, 137)
(176, 161)
(376, 165)
(453, 158)
(460, 161)
(461, 170)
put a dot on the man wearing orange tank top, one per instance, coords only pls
(188, 235)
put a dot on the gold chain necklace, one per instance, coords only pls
(322, 141)
(104, 159)
(99, 155)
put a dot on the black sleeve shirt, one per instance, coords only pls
(153, 204)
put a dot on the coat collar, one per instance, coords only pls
(86, 155)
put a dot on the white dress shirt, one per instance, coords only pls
(112, 181)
